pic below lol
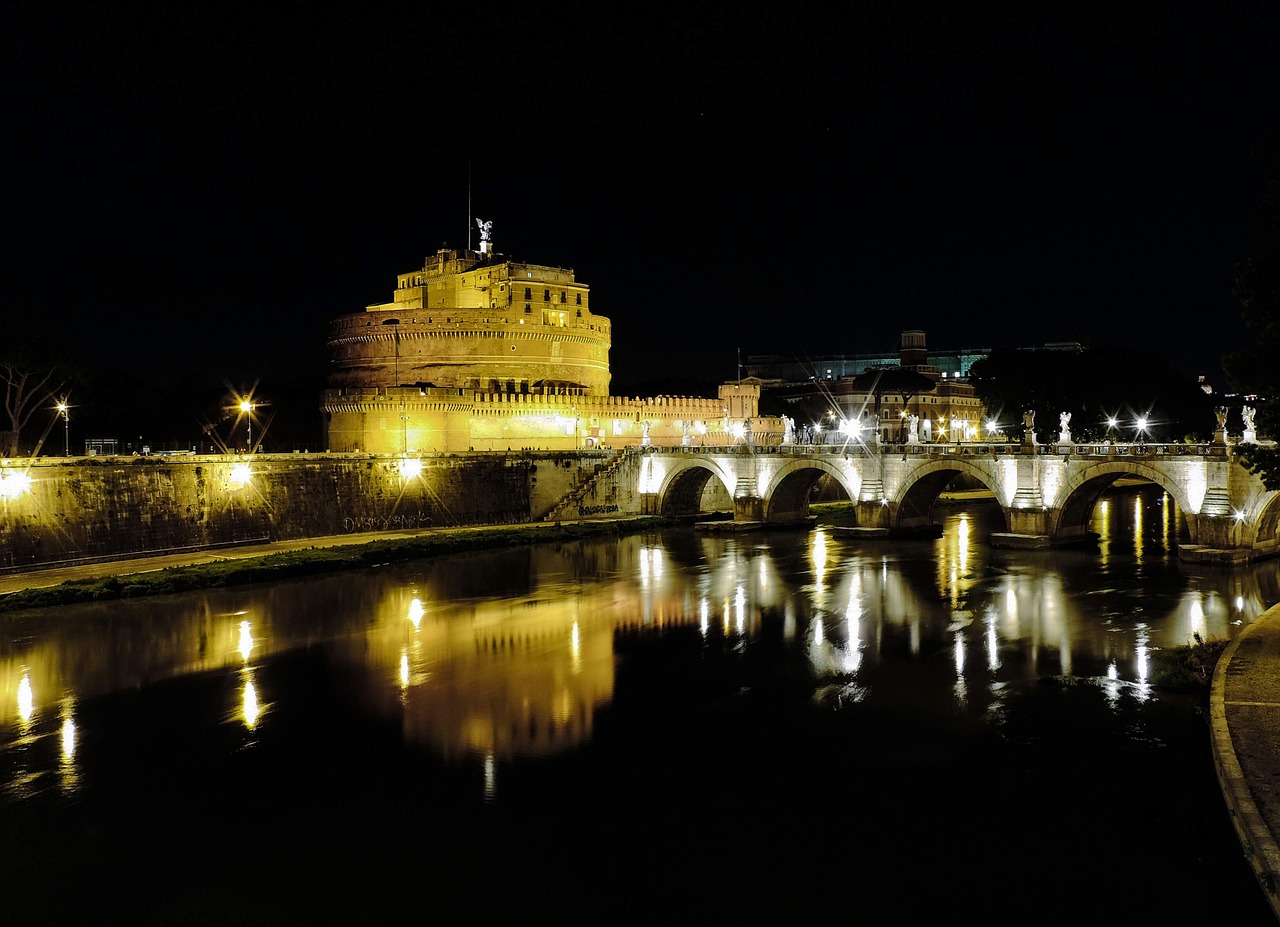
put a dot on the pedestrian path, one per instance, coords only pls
(1245, 719)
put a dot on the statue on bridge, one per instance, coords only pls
(913, 429)
(1064, 427)
(1250, 435)
(1029, 426)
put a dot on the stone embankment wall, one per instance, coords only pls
(107, 507)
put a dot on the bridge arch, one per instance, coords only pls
(683, 486)
(917, 496)
(786, 498)
(1079, 494)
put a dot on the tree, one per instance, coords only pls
(1252, 370)
(28, 388)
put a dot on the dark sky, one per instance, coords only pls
(194, 191)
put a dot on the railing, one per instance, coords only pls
(1099, 450)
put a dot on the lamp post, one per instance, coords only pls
(65, 411)
(247, 408)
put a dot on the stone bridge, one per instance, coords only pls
(1046, 492)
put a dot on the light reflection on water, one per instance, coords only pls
(510, 653)
(488, 660)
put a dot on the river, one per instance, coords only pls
(687, 726)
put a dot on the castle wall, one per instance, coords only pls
(476, 348)
(413, 420)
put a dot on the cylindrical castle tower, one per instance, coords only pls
(476, 321)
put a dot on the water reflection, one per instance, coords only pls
(511, 653)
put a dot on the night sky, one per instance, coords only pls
(194, 191)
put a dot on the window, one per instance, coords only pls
(579, 295)
(564, 297)
(546, 295)
(527, 309)
(528, 292)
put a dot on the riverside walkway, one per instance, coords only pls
(1244, 699)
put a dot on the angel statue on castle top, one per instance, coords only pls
(486, 229)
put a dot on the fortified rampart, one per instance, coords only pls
(412, 420)
(109, 507)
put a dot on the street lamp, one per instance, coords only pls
(247, 408)
(1141, 424)
(65, 411)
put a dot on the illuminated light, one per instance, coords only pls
(404, 670)
(490, 778)
(853, 655)
(1239, 603)
(240, 475)
(575, 643)
(993, 640)
(704, 614)
(1143, 654)
(416, 611)
(818, 634)
(13, 484)
(1009, 479)
(819, 555)
(1052, 481)
(1238, 515)
(251, 707)
(26, 702)
(68, 738)
(959, 653)
(410, 467)
(1112, 672)
(246, 640)
(740, 608)
(1197, 486)
(651, 476)
(1196, 616)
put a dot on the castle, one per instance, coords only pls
(478, 352)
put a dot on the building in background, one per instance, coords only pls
(897, 398)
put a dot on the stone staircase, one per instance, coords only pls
(575, 496)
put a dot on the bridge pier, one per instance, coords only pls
(875, 514)
(748, 508)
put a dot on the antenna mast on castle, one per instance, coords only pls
(468, 205)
